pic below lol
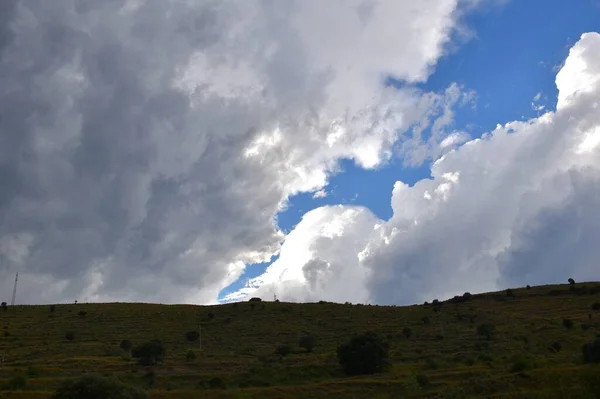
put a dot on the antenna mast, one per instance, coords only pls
(14, 290)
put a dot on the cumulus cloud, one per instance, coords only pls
(146, 146)
(517, 206)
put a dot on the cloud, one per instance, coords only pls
(146, 146)
(514, 207)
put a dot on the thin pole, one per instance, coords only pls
(12, 302)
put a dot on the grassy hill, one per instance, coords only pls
(443, 357)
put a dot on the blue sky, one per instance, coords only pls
(513, 56)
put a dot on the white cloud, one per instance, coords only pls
(147, 146)
(517, 206)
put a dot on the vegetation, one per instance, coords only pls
(257, 353)
(4, 306)
(97, 387)
(149, 353)
(364, 354)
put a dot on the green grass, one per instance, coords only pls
(445, 358)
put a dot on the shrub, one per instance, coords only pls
(308, 342)
(255, 299)
(568, 323)
(283, 350)
(126, 345)
(97, 387)
(192, 335)
(149, 353)
(4, 306)
(467, 295)
(596, 306)
(519, 364)
(528, 287)
(70, 336)
(407, 332)
(364, 354)
(190, 356)
(555, 347)
(486, 330)
(571, 281)
(435, 302)
(591, 351)
(16, 383)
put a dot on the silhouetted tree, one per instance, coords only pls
(591, 351)
(486, 330)
(364, 354)
(567, 323)
(192, 335)
(149, 353)
(571, 281)
(4, 306)
(126, 345)
(308, 342)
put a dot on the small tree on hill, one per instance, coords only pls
(4, 306)
(591, 351)
(568, 323)
(97, 387)
(364, 354)
(126, 345)
(308, 342)
(486, 330)
(571, 281)
(149, 353)
(192, 335)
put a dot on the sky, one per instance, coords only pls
(367, 151)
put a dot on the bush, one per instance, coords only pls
(255, 299)
(192, 336)
(126, 345)
(308, 342)
(364, 354)
(97, 387)
(16, 383)
(283, 350)
(571, 281)
(519, 364)
(486, 330)
(150, 353)
(70, 336)
(528, 287)
(4, 306)
(591, 351)
(568, 323)
(190, 356)
(555, 347)
(407, 332)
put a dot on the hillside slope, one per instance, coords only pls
(443, 357)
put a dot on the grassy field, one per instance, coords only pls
(444, 357)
